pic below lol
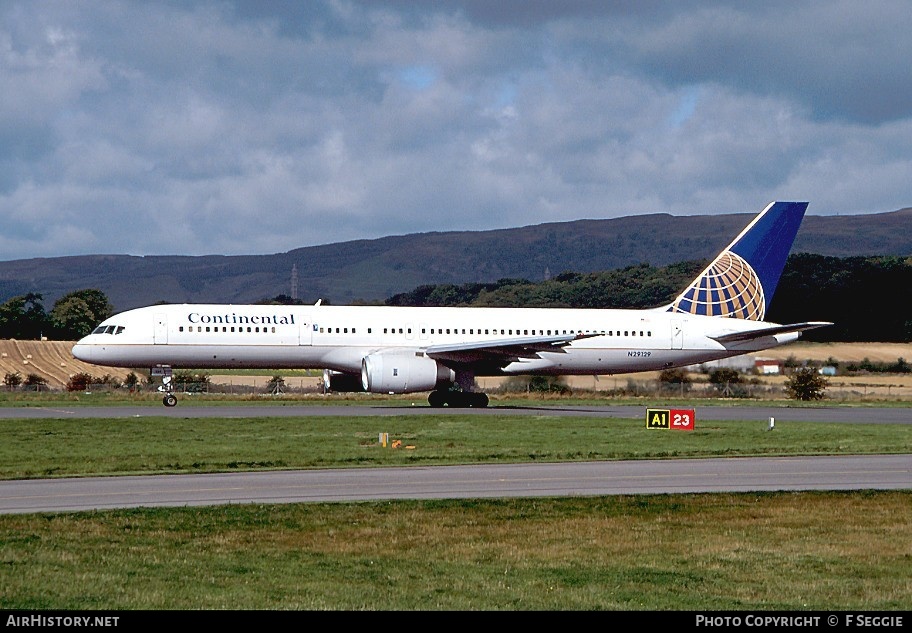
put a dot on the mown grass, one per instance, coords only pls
(31, 448)
(578, 398)
(769, 551)
(684, 552)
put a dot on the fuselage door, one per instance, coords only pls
(677, 334)
(161, 329)
(307, 327)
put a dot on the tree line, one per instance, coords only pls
(867, 298)
(73, 316)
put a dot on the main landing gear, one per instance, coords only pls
(457, 399)
(462, 395)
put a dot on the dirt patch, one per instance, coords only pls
(52, 360)
(842, 352)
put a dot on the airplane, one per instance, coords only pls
(441, 350)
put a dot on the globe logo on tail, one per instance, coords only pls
(729, 287)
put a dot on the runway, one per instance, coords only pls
(881, 472)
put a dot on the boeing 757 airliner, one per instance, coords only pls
(384, 349)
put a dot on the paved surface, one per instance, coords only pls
(882, 472)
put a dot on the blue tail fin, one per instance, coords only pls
(741, 281)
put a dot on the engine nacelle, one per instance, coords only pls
(341, 382)
(403, 372)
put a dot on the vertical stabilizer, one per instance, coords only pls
(740, 282)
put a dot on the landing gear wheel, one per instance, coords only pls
(436, 399)
(169, 400)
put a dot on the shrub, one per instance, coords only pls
(276, 385)
(537, 384)
(12, 379)
(805, 384)
(80, 381)
(34, 380)
(728, 382)
(677, 380)
(190, 382)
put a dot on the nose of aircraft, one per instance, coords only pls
(82, 351)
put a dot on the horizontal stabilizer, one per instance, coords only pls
(749, 335)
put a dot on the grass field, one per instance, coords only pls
(756, 552)
(829, 551)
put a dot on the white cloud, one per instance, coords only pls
(212, 127)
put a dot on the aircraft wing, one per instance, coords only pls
(503, 351)
(749, 335)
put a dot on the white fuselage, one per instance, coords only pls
(210, 336)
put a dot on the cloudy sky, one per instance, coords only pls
(254, 127)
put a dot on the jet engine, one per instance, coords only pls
(403, 372)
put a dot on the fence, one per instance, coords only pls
(848, 388)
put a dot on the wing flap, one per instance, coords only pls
(749, 335)
(502, 351)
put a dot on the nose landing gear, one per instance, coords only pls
(167, 386)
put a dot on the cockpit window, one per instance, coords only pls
(108, 329)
